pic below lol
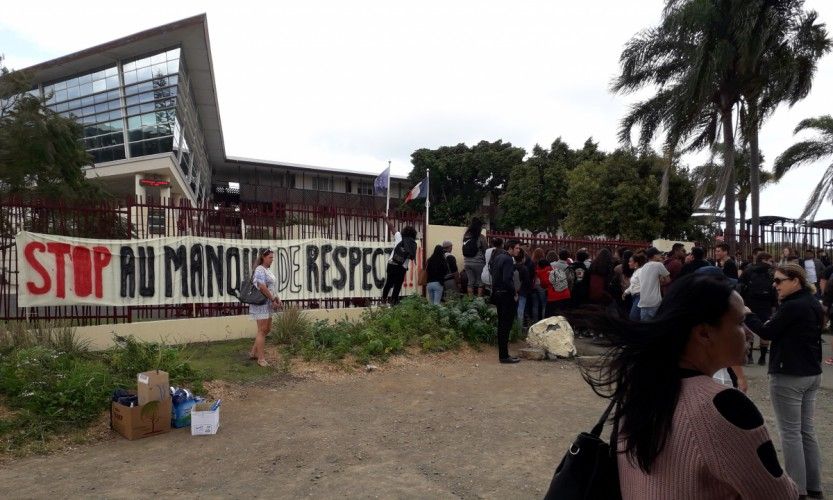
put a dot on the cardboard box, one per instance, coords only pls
(153, 386)
(142, 421)
(204, 423)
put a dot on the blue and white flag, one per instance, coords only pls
(380, 185)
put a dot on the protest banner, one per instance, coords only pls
(58, 270)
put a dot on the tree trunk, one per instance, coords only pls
(742, 213)
(755, 174)
(729, 166)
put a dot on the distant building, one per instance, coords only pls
(148, 105)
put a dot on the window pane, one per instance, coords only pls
(87, 101)
(144, 74)
(128, 66)
(130, 77)
(99, 86)
(112, 82)
(114, 71)
(85, 79)
(173, 54)
(158, 58)
(86, 88)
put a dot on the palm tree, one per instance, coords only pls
(694, 58)
(807, 152)
(707, 178)
(780, 63)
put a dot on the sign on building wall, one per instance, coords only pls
(58, 270)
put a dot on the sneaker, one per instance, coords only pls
(510, 359)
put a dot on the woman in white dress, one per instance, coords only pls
(266, 282)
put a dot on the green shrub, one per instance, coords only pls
(130, 356)
(385, 331)
(56, 387)
(290, 326)
(58, 334)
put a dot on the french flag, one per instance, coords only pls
(418, 191)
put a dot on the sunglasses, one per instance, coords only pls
(778, 281)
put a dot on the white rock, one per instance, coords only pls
(554, 335)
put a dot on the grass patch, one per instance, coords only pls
(227, 360)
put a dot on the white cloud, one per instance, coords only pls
(354, 84)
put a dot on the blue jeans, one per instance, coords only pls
(542, 304)
(634, 312)
(435, 292)
(647, 313)
(794, 401)
(521, 309)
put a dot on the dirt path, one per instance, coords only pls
(445, 426)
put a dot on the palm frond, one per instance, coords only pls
(801, 153)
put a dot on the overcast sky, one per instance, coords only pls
(354, 84)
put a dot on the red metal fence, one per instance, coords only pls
(548, 243)
(139, 219)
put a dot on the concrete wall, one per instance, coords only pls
(181, 331)
(665, 245)
(454, 234)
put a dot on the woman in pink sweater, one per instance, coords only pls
(681, 434)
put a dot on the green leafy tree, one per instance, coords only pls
(619, 196)
(810, 151)
(462, 176)
(40, 151)
(536, 194)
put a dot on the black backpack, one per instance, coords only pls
(759, 285)
(470, 246)
(399, 254)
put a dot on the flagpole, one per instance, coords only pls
(427, 209)
(387, 193)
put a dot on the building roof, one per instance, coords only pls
(191, 34)
(232, 161)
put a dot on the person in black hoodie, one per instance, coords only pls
(502, 266)
(795, 372)
(759, 296)
(403, 253)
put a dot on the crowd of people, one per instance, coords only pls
(675, 319)
(672, 320)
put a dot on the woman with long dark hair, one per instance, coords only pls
(681, 434)
(436, 268)
(601, 274)
(795, 372)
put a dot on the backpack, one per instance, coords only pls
(759, 285)
(579, 282)
(486, 273)
(399, 254)
(470, 246)
(558, 278)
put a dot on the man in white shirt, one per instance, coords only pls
(651, 278)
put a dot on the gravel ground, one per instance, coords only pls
(452, 425)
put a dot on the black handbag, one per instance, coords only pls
(588, 470)
(251, 294)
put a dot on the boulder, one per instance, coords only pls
(553, 335)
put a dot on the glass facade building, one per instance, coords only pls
(134, 108)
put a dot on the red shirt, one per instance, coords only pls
(543, 274)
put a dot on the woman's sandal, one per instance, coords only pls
(263, 363)
(828, 361)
